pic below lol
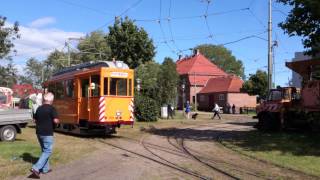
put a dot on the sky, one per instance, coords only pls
(175, 26)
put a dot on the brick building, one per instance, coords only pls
(223, 91)
(200, 76)
(194, 72)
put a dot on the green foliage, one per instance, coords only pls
(146, 108)
(130, 43)
(148, 73)
(168, 81)
(223, 58)
(8, 75)
(94, 47)
(7, 35)
(257, 84)
(304, 20)
(147, 100)
(34, 70)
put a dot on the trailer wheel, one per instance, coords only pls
(8, 133)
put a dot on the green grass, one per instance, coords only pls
(297, 151)
(17, 157)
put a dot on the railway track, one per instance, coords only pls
(176, 150)
(161, 154)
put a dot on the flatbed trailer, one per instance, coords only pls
(11, 122)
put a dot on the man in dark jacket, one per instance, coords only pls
(45, 118)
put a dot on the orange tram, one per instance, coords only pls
(94, 97)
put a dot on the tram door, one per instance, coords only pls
(84, 99)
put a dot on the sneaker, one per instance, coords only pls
(49, 171)
(35, 173)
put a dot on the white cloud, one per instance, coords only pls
(41, 22)
(39, 42)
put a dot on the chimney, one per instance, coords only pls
(180, 56)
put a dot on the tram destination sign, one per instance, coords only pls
(119, 74)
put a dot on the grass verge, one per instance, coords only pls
(296, 151)
(17, 157)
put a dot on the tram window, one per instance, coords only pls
(118, 86)
(84, 87)
(95, 81)
(52, 88)
(130, 87)
(105, 84)
(69, 88)
(59, 90)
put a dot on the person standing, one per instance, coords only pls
(216, 111)
(233, 109)
(45, 118)
(170, 111)
(188, 109)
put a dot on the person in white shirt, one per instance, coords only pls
(216, 111)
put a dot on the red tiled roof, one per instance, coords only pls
(223, 84)
(200, 65)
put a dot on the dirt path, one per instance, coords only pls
(191, 152)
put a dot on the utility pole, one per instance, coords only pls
(270, 47)
(195, 91)
(69, 53)
(68, 45)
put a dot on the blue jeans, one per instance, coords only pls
(46, 143)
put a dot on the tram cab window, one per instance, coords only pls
(84, 87)
(59, 93)
(105, 84)
(95, 85)
(69, 88)
(118, 87)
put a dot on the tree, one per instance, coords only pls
(168, 81)
(34, 71)
(7, 35)
(223, 58)
(147, 100)
(94, 47)
(130, 43)
(257, 84)
(304, 20)
(8, 75)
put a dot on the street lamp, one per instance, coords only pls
(183, 86)
(138, 84)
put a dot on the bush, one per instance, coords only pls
(146, 108)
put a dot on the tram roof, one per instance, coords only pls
(91, 64)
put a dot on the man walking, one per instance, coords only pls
(45, 118)
(216, 111)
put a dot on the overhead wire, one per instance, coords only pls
(85, 7)
(162, 31)
(120, 14)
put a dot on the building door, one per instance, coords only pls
(211, 101)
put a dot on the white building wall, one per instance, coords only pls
(296, 78)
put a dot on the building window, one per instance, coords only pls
(221, 97)
(202, 98)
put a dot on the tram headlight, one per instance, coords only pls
(118, 113)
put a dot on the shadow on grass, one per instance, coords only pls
(296, 143)
(29, 158)
(251, 124)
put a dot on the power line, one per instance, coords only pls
(85, 7)
(120, 14)
(193, 17)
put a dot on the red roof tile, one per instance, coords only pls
(200, 65)
(223, 84)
